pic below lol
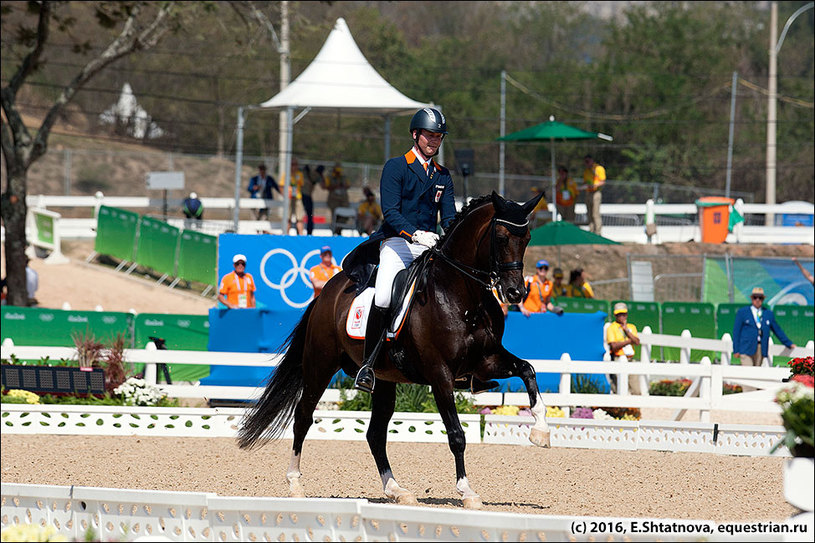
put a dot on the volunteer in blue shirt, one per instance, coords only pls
(414, 191)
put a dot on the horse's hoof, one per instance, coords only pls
(406, 498)
(296, 490)
(473, 502)
(539, 437)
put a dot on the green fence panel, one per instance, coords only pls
(697, 317)
(798, 322)
(179, 332)
(583, 305)
(116, 233)
(641, 314)
(55, 327)
(725, 318)
(158, 246)
(197, 257)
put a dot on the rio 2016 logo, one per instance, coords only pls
(290, 276)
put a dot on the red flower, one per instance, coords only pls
(802, 366)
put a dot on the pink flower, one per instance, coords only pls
(807, 380)
(486, 411)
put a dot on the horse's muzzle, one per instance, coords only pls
(514, 295)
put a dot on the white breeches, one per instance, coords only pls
(395, 254)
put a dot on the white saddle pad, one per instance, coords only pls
(357, 320)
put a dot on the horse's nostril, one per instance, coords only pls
(513, 295)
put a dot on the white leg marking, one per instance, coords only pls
(398, 494)
(469, 498)
(293, 477)
(539, 433)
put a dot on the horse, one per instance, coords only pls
(480, 255)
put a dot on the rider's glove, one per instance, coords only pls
(423, 237)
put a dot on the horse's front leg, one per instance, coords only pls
(383, 404)
(446, 403)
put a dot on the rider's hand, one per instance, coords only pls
(423, 237)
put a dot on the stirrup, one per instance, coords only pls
(365, 379)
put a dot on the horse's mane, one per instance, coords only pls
(463, 212)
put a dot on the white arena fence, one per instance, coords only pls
(84, 228)
(153, 515)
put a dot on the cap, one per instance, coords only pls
(757, 291)
(620, 307)
(238, 257)
(325, 249)
(193, 195)
(542, 263)
(368, 191)
(557, 272)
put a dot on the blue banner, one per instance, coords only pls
(280, 264)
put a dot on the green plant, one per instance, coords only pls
(583, 384)
(669, 387)
(798, 413)
(410, 398)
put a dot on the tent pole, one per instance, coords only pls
(287, 173)
(552, 195)
(238, 167)
(503, 132)
(387, 137)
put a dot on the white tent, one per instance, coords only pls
(338, 79)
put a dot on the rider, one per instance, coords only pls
(413, 189)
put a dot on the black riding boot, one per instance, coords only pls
(374, 335)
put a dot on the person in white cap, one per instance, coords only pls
(621, 337)
(237, 288)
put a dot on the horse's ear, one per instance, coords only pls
(498, 203)
(530, 205)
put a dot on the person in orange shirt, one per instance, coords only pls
(566, 194)
(237, 289)
(539, 292)
(325, 270)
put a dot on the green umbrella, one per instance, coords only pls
(552, 130)
(566, 233)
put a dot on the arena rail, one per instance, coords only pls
(152, 515)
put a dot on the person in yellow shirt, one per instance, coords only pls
(237, 288)
(369, 213)
(296, 210)
(540, 215)
(539, 291)
(566, 194)
(325, 270)
(559, 288)
(595, 177)
(621, 336)
(579, 286)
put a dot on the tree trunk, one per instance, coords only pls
(14, 214)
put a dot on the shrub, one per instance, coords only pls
(669, 387)
(802, 366)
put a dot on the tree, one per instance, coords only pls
(142, 25)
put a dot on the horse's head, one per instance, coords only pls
(509, 238)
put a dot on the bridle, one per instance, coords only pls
(489, 279)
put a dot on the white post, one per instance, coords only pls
(150, 367)
(565, 386)
(99, 198)
(716, 385)
(650, 220)
(645, 358)
(738, 229)
(727, 353)
(684, 352)
(769, 360)
(769, 197)
(704, 391)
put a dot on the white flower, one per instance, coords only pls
(138, 392)
(599, 414)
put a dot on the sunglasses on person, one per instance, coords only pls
(757, 297)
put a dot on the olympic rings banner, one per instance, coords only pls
(280, 264)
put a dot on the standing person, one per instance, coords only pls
(621, 336)
(751, 331)
(540, 215)
(579, 286)
(337, 186)
(538, 291)
(595, 177)
(325, 270)
(237, 288)
(559, 289)
(266, 183)
(369, 213)
(32, 283)
(296, 210)
(415, 190)
(566, 194)
(310, 180)
(193, 210)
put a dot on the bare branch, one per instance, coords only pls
(32, 58)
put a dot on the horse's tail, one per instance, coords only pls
(275, 409)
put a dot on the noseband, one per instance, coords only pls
(488, 279)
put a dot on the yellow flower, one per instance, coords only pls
(511, 410)
(555, 412)
(31, 532)
(27, 395)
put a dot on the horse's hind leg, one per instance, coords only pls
(383, 403)
(315, 382)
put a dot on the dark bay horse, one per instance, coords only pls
(454, 329)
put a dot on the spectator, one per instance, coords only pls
(296, 210)
(579, 286)
(538, 291)
(369, 213)
(540, 215)
(325, 270)
(237, 288)
(566, 194)
(751, 331)
(32, 283)
(266, 183)
(621, 336)
(3, 290)
(595, 177)
(559, 289)
(193, 211)
(807, 275)
(337, 186)
(311, 179)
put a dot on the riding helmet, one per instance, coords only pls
(429, 119)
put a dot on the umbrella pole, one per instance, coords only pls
(552, 195)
